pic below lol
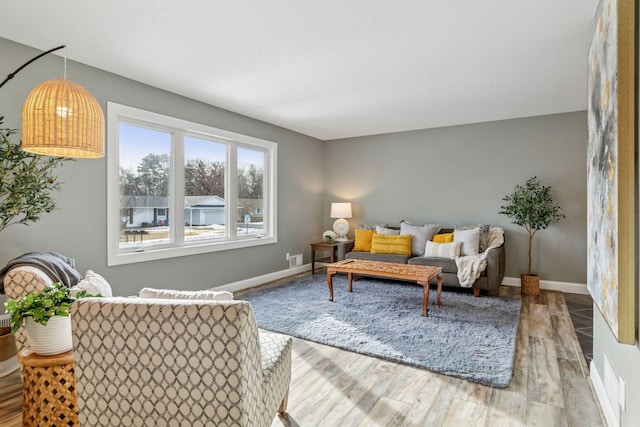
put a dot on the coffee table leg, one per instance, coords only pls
(330, 283)
(425, 299)
(351, 278)
(439, 289)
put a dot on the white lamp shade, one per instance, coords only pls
(340, 210)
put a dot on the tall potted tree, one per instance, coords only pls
(27, 182)
(532, 207)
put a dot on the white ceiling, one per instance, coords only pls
(332, 68)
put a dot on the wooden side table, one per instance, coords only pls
(48, 390)
(337, 250)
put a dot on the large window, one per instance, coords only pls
(179, 188)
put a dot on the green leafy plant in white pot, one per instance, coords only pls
(45, 316)
(532, 207)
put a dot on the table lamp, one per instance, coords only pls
(341, 226)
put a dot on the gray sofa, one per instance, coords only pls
(490, 279)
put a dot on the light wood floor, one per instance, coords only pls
(550, 386)
(332, 387)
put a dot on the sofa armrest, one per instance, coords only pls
(495, 267)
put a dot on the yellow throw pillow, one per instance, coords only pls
(443, 238)
(363, 241)
(388, 244)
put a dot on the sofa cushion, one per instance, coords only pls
(448, 265)
(388, 244)
(443, 250)
(469, 241)
(420, 235)
(363, 240)
(368, 256)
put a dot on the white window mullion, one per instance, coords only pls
(177, 185)
(232, 190)
(270, 185)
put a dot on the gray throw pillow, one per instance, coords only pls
(420, 234)
(371, 226)
(388, 231)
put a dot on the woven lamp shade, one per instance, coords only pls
(61, 118)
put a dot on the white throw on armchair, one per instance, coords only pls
(176, 362)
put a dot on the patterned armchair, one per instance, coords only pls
(176, 362)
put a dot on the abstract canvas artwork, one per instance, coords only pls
(611, 164)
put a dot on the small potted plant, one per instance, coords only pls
(45, 316)
(329, 236)
(532, 207)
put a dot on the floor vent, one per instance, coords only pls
(295, 260)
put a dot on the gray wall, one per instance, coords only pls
(459, 175)
(624, 359)
(78, 228)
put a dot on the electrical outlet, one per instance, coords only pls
(287, 257)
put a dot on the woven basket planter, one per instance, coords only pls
(530, 284)
(8, 359)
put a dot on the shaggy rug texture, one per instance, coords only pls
(467, 337)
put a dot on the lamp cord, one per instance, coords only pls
(12, 75)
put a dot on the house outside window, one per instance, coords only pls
(178, 188)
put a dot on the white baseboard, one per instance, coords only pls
(601, 395)
(261, 280)
(568, 287)
(572, 288)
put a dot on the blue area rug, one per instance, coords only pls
(467, 337)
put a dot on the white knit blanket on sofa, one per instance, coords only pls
(471, 267)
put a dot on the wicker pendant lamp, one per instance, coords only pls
(61, 118)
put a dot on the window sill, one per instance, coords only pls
(149, 253)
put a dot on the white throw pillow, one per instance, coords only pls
(419, 235)
(387, 231)
(442, 250)
(484, 234)
(94, 284)
(469, 241)
(195, 295)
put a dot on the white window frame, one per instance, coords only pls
(116, 114)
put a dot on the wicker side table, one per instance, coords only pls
(49, 390)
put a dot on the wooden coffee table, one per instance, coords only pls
(418, 273)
